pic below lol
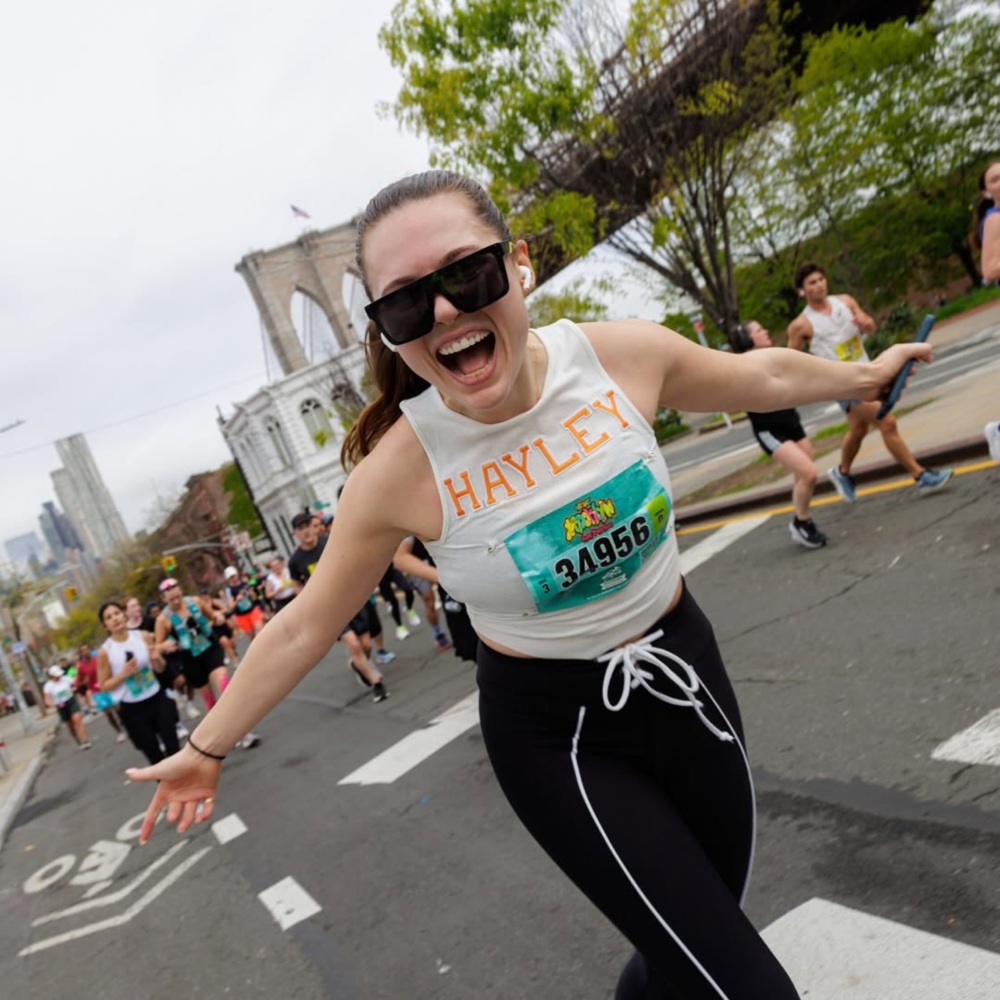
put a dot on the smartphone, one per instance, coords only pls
(129, 655)
(904, 373)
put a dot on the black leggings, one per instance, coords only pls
(146, 720)
(386, 587)
(646, 809)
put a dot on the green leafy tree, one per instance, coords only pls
(242, 514)
(549, 101)
(579, 300)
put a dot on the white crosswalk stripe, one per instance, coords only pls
(833, 952)
(979, 744)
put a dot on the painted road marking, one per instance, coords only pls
(289, 903)
(832, 952)
(114, 897)
(979, 744)
(123, 918)
(417, 747)
(228, 828)
(693, 557)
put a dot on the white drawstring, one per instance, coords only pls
(644, 651)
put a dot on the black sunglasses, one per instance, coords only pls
(469, 283)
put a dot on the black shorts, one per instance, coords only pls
(222, 631)
(773, 434)
(68, 709)
(198, 669)
(359, 623)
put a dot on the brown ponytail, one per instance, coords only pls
(395, 381)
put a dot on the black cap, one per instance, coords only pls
(301, 518)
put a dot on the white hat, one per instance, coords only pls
(55, 671)
(230, 571)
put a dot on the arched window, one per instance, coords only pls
(316, 421)
(278, 442)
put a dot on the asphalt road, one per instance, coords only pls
(852, 663)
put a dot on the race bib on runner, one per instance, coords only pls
(142, 683)
(851, 350)
(594, 545)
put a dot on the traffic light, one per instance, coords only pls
(71, 593)
(169, 564)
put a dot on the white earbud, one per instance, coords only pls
(526, 277)
(388, 343)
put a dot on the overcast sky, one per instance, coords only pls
(147, 148)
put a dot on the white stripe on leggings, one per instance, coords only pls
(621, 864)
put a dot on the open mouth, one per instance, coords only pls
(470, 354)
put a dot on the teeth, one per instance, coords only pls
(467, 341)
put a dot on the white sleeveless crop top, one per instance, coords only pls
(558, 524)
(143, 683)
(836, 337)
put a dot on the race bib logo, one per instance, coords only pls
(590, 519)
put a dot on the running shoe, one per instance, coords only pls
(191, 711)
(402, 632)
(806, 533)
(844, 484)
(992, 432)
(442, 642)
(412, 617)
(933, 479)
(358, 676)
(181, 730)
(86, 746)
(383, 656)
(120, 738)
(249, 741)
(379, 693)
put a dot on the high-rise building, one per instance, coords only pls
(85, 498)
(25, 552)
(59, 532)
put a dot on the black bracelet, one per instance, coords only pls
(204, 753)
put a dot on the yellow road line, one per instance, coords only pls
(892, 484)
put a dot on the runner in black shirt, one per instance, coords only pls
(356, 636)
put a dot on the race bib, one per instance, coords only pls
(851, 350)
(594, 545)
(142, 683)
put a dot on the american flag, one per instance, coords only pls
(300, 213)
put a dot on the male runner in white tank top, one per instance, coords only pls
(834, 327)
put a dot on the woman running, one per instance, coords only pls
(126, 664)
(534, 476)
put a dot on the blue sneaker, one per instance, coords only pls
(384, 656)
(844, 484)
(933, 479)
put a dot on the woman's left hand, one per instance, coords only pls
(887, 366)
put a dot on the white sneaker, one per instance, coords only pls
(191, 712)
(412, 617)
(992, 432)
(402, 632)
(182, 733)
(120, 738)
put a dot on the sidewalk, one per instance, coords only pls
(26, 754)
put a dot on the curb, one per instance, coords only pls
(956, 451)
(13, 802)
